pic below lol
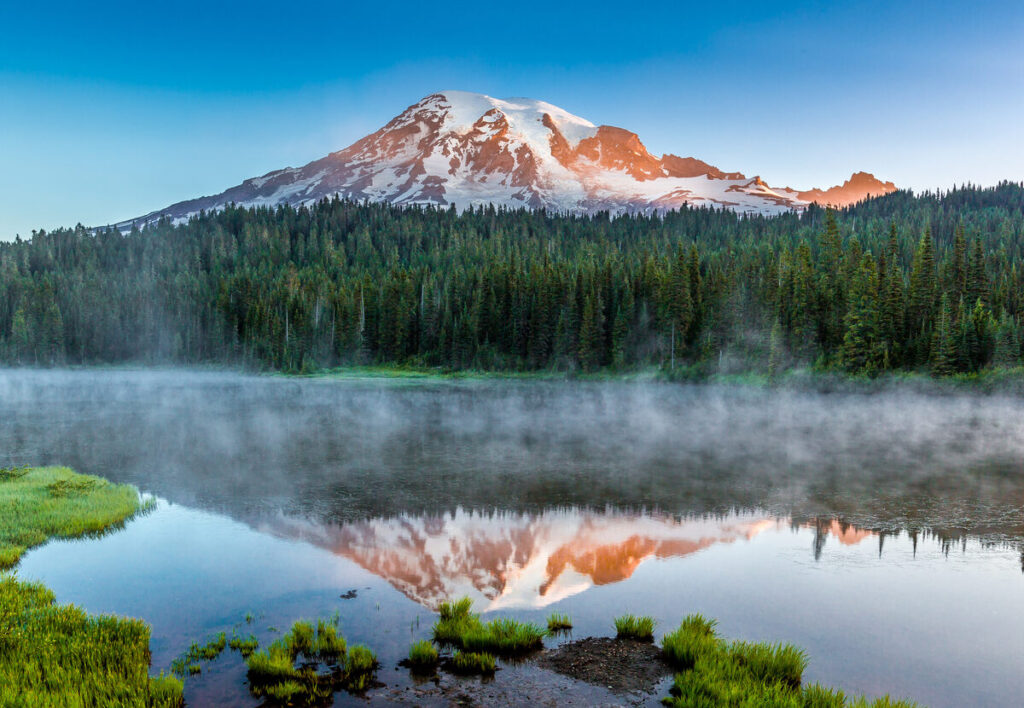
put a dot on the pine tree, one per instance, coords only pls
(859, 353)
(943, 358)
(620, 330)
(1007, 345)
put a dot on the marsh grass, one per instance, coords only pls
(309, 664)
(559, 623)
(58, 655)
(636, 627)
(244, 645)
(459, 627)
(8, 474)
(464, 662)
(423, 655)
(188, 664)
(54, 502)
(715, 672)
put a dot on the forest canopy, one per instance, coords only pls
(930, 282)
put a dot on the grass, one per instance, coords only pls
(325, 665)
(473, 663)
(244, 645)
(459, 627)
(633, 627)
(423, 655)
(38, 504)
(58, 655)
(715, 672)
(188, 663)
(559, 623)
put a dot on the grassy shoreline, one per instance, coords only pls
(987, 381)
(58, 655)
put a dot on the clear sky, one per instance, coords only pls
(110, 110)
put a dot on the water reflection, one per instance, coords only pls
(509, 560)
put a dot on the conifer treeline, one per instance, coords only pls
(927, 282)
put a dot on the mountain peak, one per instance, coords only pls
(469, 149)
(859, 187)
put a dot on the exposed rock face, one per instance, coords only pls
(466, 149)
(859, 187)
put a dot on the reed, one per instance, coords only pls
(635, 627)
(423, 655)
(715, 672)
(559, 623)
(459, 627)
(473, 663)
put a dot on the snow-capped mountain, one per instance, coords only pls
(466, 149)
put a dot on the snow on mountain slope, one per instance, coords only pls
(467, 149)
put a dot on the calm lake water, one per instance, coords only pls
(881, 532)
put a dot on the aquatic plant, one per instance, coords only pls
(244, 645)
(328, 644)
(300, 639)
(273, 673)
(634, 627)
(360, 660)
(54, 502)
(273, 665)
(423, 655)
(473, 663)
(188, 663)
(559, 622)
(459, 627)
(715, 672)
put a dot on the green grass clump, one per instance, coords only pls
(423, 655)
(58, 655)
(166, 691)
(188, 663)
(459, 627)
(244, 645)
(361, 660)
(320, 651)
(473, 663)
(273, 665)
(300, 639)
(54, 502)
(328, 644)
(715, 672)
(8, 474)
(634, 627)
(559, 623)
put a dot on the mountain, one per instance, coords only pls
(466, 149)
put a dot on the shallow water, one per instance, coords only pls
(881, 533)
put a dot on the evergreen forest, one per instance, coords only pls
(930, 282)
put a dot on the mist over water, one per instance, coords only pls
(348, 450)
(880, 531)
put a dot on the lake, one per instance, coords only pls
(882, 532)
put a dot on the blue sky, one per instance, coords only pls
(110, 110)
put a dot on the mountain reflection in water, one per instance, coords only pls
(511, 560)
